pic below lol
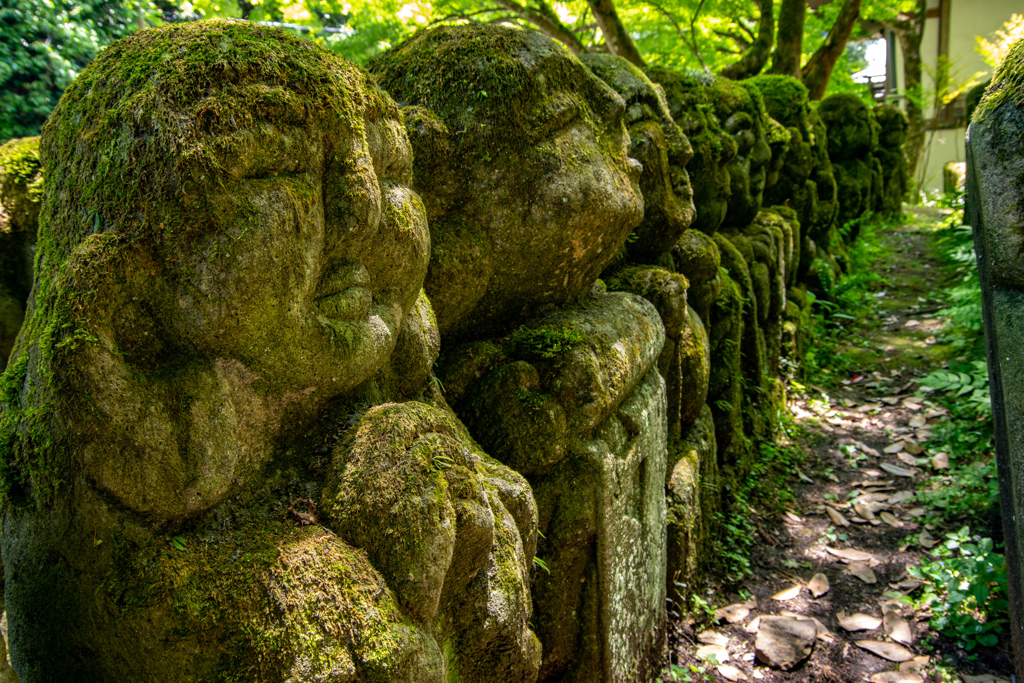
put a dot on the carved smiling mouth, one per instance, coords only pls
(343, 292)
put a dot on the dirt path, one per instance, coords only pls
(855, 520)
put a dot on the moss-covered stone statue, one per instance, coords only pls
(574, 401)
(893, 125)
(21, 189)
(658, 143)
(691, 102)
(522, 163)
(204, 472)
(852, 137)
(741, 109)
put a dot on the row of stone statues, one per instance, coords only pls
(429, 373)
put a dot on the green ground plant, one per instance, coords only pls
(965, 578)
(965, 589)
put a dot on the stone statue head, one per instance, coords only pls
(786, 101)
(659, 144)
(741, 110)
(228, 241)
(690, 101)
(522, 163)
(852, 130)
(893, 125)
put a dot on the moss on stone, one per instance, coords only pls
(1007, 84)
(785, 98)
(852, 131)
(691, 101)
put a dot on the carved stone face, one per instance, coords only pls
(659, 144)
(743, 117)
(315, 250)
(522, 162)
(248, 252)
(690, 98)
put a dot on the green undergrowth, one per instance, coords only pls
(848, 304)
(965, 575)
(966, 493)
(764, 493)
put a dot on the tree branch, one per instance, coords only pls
(615, 35)
(789, 44)
(818, 69)
(679, 29)
(754, 59)
(547, 22)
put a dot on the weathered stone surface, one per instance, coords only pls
(660, 145)
(583, 416)
(784, 642)
(893, 126)
(852, 139)
(691, 99)
(995, 207)
(741, 109)
(684, 362)
(528, 189)
(197, 420)
(691, 498)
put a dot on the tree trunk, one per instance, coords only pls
(754, 59)
(910, 42)
(818, 68)
(615, 35)
(547, 22)
(789, 44)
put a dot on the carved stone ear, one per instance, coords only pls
(432, 156)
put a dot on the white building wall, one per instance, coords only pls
(968, 20)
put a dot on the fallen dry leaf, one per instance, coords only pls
(916, 512)
(912, 323)
(900, 497)
(897, 628)
(896, 677)
(907, 459)
(787, 594)
(858, 621)
(913, 447)
(803, 477)
(907, 585)
(863, 572)
(849, 554)
(753, 625)
(868, 407)
(893, 448)
(926, 540)
(918, 421)
(836, 516)
(940, 461)
(890, 651)
(793, 518)
(984, 678)
(713, 638)
(732, 613)
(731, 673)
(864, 448)
(890, 519)
(818, 585)
(715, 653)
(864, 511)
(916, 664)
(896, 470)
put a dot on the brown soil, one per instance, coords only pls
(869, 406)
